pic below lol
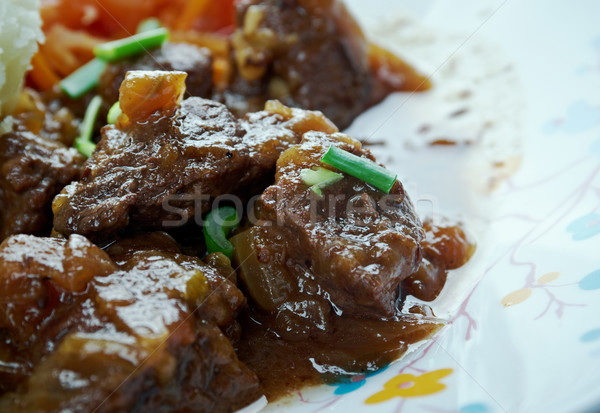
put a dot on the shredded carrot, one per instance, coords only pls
(41, 73)
(192, 10)
(216, 43)
(66, 50)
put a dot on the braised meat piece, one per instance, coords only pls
(144, 332)
(305, 53)
(163, 171)
(32, 171)
(35, 164)
(43, 282)
(330, 270)
(356, 242)
(445, 247)
(183, 57)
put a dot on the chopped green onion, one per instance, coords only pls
(83, 79)
(319, 178)
(84, 143)
(84, 147)
(217, 226)
(361, 168)
(149, 24)
(132, 45)
(113, 113)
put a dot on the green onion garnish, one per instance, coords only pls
(217, 226)
(84, 143)
(83, 79)
(148, 24)
(132, 45)
(319, 178)
(113, 113)
(360, 168)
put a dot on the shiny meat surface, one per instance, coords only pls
(445, 247)
(33, 169)
(92, 333)
(43, 283)
(184, 57)
(332, 273)
(35, 164)
(356, 241)
(304, 53)
(163, 172)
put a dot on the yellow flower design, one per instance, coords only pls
(409, 385)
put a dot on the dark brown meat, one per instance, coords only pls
(43, 283)
(138, 334)
(305, 53)
(33, 170)
(445, 247)
(47, 116)
(183, 57)
(163, 172)
(356, 242)
(330, 272)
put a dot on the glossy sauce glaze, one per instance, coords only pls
(327, 276)
(282, 349)
(326, 297)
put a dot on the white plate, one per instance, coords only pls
(524, 316)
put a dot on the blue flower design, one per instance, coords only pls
(348, 384)
(474, 408)
(580, 117)
(585, 227)
(591, 281)
(591, 335)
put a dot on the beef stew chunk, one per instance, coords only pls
(355, 241)
(35, 165)
(331, 272)
(43, 287)
(162, 171)
(306, 54)
(445, 247)
(133, 331)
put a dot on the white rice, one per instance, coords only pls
(20, 30)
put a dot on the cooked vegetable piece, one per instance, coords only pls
(83, 79)
(149, 24)
(145, 92)
(84, 143)
(113, 113)
(319, 178)
(269, 286)
(218, 225)
(394, 73)
(132, 45)
(360, 168)
(42, 73)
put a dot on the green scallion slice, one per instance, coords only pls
(218, 224)
(319, 178)
(132, 45)
(84, 143)
(83, 79)
(361, 168)
(149, 24)
(113, 113)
